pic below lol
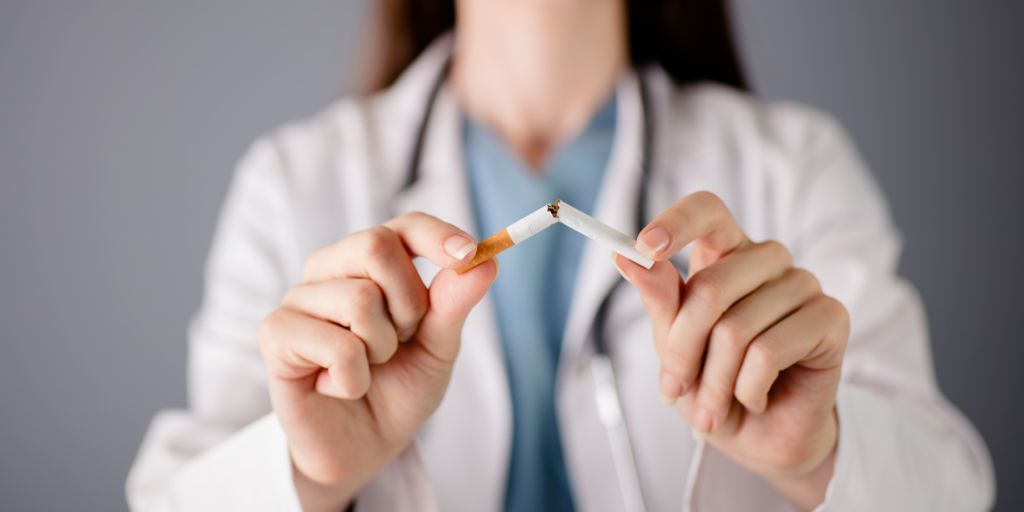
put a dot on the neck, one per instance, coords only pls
(536, 70)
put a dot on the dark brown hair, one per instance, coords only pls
(691, 39)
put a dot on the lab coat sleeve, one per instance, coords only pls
(902, 445)
(227, 451)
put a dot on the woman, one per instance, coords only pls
(799, 360)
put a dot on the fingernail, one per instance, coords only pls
(615, 262)
(497, 269)
(407, 334)
(671, 388)
(702, 424)
(458, 246)
(653, 242)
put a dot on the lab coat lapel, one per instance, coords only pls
(584, 439)
(466, 444)
(442, 189)
(615, 206)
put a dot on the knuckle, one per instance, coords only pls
(832, 308)
(365, 295)
(419, 216)
(419, 303)
(346, 349)
(271, 328)
(293, 293)
(764, 354)
(804, 279)
(715, 396)
(679, 362)
(731, 333)
(707, 288)
(413, 304)
(312, 262)
(777, 251)
(709, 199)
(379, 241)
(713, 204)
(289, 296)
(273, 339)
(837, 311)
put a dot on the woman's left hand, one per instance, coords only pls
(751, 349)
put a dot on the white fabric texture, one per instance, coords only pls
(786, 172)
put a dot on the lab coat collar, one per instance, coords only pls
(615, 206)
(442, 188)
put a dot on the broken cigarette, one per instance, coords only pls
(542, 219)
(521, 230)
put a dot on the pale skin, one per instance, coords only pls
(360, 354)
(751, 349)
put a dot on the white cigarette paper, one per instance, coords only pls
(531, 225)
(544, 218)
(601, 232)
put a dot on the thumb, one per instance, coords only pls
(411, 385)
(661, 289)
(452, 297)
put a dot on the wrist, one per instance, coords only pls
(806, 490)
(315, 496)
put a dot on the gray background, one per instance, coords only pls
(120, 123)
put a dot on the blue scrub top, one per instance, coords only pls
(533, 292)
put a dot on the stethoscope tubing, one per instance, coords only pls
(606, 395)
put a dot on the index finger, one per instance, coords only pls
(419, 234)
(384, 255)
(699, 216)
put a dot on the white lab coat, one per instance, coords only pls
(786, 172)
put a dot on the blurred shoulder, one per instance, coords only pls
(780, 166)
(724, 113)
(304, 146)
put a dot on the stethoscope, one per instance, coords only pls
(606, 395)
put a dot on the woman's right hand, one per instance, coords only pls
(360, 354)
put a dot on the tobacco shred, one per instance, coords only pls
(553, 208)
